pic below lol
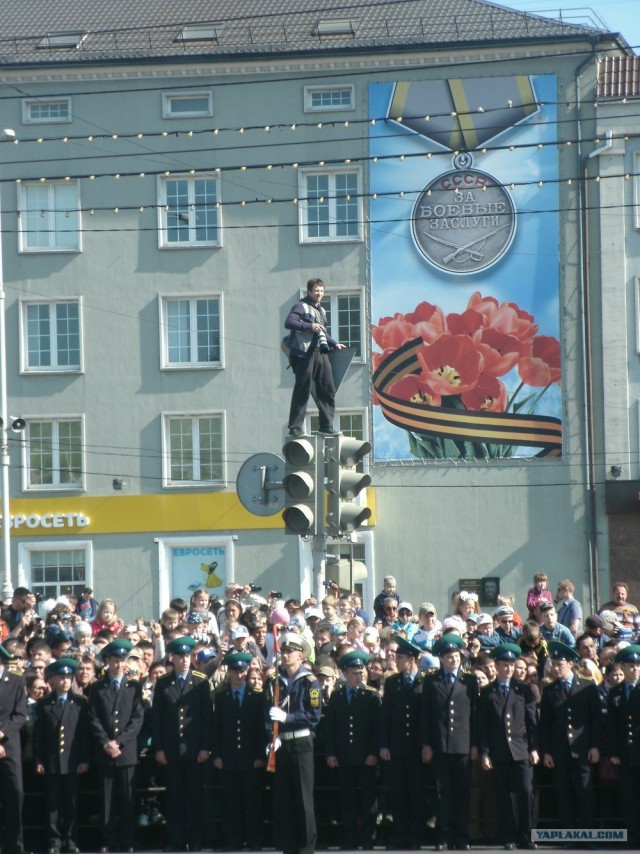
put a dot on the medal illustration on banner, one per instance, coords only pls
(464, 220)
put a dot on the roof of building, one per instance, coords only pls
(619, 77)
(63, 31)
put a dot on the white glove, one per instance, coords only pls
(277, 714)
(276, 745)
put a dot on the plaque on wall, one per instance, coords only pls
(487, 589)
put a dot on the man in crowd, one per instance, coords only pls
(181, 718)
(310, 344)
(115, 719)
(570, 736)
(449, 739)
(61, 749)
(13, 714)
(238, 750)
(388, 592)
(508, 738)
(351, 739)
(623, 729)
(623, 609)
(294, 704)
(569, 609)
(400, 745)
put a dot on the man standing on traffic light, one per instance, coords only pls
(309, 346)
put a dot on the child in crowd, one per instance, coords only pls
(405, 620)
(538, 595)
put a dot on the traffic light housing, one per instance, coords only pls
(344, 483)
(302, 484)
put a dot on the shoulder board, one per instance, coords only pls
(393, 678)
(311, 677)
(370, 689)
(198, 675)
(15, 669)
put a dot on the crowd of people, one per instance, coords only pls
(425, 726)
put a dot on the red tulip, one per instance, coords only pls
(489, 395)
(451, 365)
(541, 364)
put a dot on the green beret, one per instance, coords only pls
(506, 652)
(5, 655)
(629, 655)
(61, 667)
(354, 658)
(406, 648)
(181, 646)
(559, 651)
(448, 643)
(237, 660)
(118, 648)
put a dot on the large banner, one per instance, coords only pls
(465, 268)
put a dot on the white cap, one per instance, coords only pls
(407, 606)
(240, 632)
(310, 613)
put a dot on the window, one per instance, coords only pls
(183, 105)
(51, 336)
(49, 216)
(54, 454)
(58, 571)
(336, 27)
(323, 98)
(345, 321)
(189, 212)
(193, 449)
(39, 111)
(201, 33)
(191, 334)
(62, 41)
(330, 208)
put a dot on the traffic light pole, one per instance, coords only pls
(319, 553)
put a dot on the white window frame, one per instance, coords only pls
(333, 297)
(169, 97)
(28, 103)
(303, 212)
(348, 411)
(165, 565)
(51, 212)
(309, 92)
(56, 486)
(167, 483)
(192, 243)
(194, 364)
(54, 368)
(25, 550)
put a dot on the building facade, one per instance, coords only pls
(173, 185)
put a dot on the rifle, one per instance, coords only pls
(271, 761)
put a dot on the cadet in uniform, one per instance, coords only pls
(181, 716)
(623, 728)
(508, 741)
(61, 749)
(115, 719)
(238, 750)
(297, 713)
(352, 734)
(400, 746)
(13, 713)
(570, 736)
(449, 740)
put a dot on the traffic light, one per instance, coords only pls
(344, 484)
(302, 484)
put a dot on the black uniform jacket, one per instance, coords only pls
(449, 719)
(400, 716)
(507, 727)
(570, 725)
(299, 697)
(61, 735)
(352, 730)
(116, 717)
(239, 737)
(181, 716)
(623, 725)
(13, 711)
